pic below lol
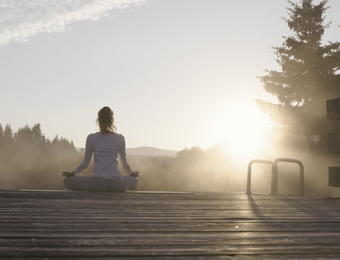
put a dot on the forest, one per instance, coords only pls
(29, 143)
(29, 160)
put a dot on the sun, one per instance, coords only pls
(240, 126)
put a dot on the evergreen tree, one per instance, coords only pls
(55, 140)
(1, 135)
(30, 143)
(8, 135)
(38, 136)
(309, 73)
(24, 135)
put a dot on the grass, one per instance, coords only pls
(171, 174)
(156, 173)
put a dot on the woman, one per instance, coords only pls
(105, 146)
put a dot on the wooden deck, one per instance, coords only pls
(165, 225)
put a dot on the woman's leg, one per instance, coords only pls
(84, 183)
(130, 182)
(77, 183)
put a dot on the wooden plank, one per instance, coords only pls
(165, 204)
(171, 227)
(167, 239)
(114, 197)
(197, 257)
(23, 218)
(149, 201)
(84, 251)
(129, 195)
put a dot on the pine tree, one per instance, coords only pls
(55, 140)
(8, 135)
(38, 136)
(24, 135)
(1, 135)
(309, 73)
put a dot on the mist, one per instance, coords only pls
(30, 161)
(218, 169)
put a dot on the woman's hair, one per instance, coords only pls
(105, 120)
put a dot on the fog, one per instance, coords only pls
(28, 160)
(218, 168)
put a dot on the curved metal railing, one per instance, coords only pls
(274, 175)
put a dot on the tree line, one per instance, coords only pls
(29, 143)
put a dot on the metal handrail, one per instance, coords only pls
(275, 174)
(249, 171)
(274, 180)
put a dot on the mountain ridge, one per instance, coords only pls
(150, 151)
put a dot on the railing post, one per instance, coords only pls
(275, 174)
(274, 179)
(249, 171)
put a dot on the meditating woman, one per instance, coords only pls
(105, 145)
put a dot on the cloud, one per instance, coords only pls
(22, 19)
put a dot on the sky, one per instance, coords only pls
(176, 73)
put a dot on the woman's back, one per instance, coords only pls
(105, 148)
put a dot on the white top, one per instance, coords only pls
(105, 148)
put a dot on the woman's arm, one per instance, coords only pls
(87, 156)
(122, 154)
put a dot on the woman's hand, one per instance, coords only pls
(68, 174)
(135, 174)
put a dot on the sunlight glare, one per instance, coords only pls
(240, 126)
